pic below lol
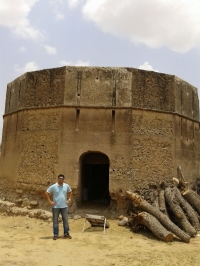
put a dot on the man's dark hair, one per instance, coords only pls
(61, 175)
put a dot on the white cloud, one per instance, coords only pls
(65, 63)
(82, 63)
(78, 63)
(147, 66)
(73, 3)
(22, 49)
(50, 50)
(59, 16)
(14, 15)
(30, 66)
(155, 23)
(57, 5)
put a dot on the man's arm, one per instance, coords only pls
(69, 197)
(49, 199)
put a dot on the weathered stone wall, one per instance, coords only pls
(146, 123)
(152, 147)
(34, 89)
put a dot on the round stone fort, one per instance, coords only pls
(107, 129)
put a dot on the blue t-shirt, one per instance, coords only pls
(59, 194)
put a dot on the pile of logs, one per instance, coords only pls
(174, 211)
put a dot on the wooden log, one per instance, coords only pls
(162, 203)
(164, 184)
(180, 174)
(163, 219)
(193, 198)
(182, 184)
(155, 202)
(178, 212)
(187, 208)
(148, 220)
(174, 207)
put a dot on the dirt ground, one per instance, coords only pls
(28, 241)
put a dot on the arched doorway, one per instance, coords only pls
(95, 178)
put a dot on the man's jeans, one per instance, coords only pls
(64, 213)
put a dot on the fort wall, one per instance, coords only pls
(146, 123)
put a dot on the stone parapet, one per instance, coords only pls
(102, 87)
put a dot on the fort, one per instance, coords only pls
(107, 129)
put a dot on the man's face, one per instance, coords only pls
(60, 180)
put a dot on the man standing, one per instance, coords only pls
(62, 195)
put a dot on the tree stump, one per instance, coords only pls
(163, 219)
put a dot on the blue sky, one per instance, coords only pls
(157, 35)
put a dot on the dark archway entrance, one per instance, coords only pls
(95, 178)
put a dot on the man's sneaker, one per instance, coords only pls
(55, 237)
(67, 236)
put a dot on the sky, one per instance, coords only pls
(155, 35)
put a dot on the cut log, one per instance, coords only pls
(182, 185)
(164, 184)
(155, 202)
(178, 212)
(163, 219)
(193, 198)
(180, 174)
(187, 208)
(148, 220)
(162, 203)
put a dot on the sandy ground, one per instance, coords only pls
(28, 241)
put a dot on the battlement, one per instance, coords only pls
(109, 87)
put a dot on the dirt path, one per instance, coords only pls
(28, 241)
